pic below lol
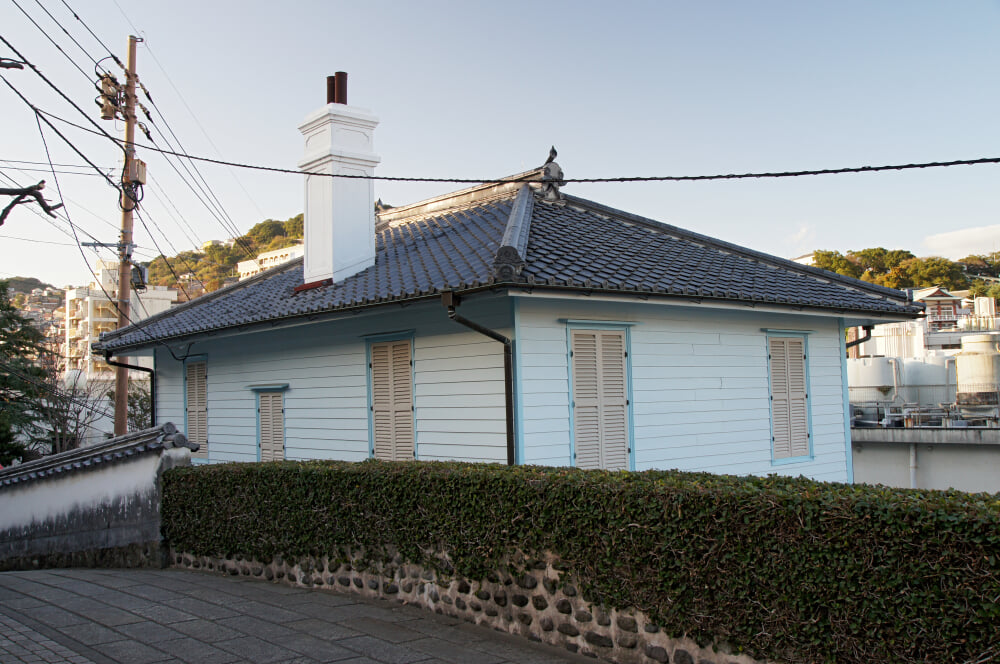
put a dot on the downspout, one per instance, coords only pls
(152, 383)
(451, 301)
(861, 340)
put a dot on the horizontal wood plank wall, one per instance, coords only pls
(169, 378)
(458, 396)
(459, 388)
(700, 387)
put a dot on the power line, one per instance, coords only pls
(28, 239)
(52, 41)
(113, 301)
(63, 172)
(635, 178)
(72, 38)
(56, 391)
(100, 130)
(43, 163)
(164, 256)
(110, 52)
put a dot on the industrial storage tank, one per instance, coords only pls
(872, 379)
(978, 370)
(929, 381)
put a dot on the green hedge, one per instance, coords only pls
(783, 568)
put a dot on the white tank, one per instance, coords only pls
(871, 379)
(927, 382)
(978, 370)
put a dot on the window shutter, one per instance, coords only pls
(600, 399)
(586, 400)
(272, 426)
(789, 407)
(197, 407)
(392, 400)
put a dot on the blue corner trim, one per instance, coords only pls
(518, 398)
(847, 403)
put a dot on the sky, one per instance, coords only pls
(482, 90)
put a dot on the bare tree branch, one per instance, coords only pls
(20, 194)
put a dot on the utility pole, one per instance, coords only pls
(125, 245)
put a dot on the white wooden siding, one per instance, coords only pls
(271, 422)
(700, 398)
(459, 411)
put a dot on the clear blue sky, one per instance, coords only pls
(483, 89)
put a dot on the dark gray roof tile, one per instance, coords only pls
(573, 243)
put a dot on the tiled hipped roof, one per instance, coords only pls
(519, 238)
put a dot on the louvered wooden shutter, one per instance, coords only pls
(272, 426)
(600, 399)
(392, 400)
(789, 406)
(197, 407)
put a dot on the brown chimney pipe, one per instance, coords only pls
(331, 89)
(340, 87)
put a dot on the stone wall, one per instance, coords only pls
(537, 605)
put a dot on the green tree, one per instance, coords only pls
(834, 261)
(266, 231)
(935, 271)
(295, 227)
(20, 344)
(879, 261)
(978, 288)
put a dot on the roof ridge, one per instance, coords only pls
(771, 259)
(511, 254)
(198, 301)
(477, 193)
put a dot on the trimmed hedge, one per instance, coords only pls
(783, 568)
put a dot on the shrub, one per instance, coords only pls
(783, 568)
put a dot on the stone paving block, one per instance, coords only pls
(206, 630)
(453, 652)
(122, 600)
(26, 603)
(112, 617)
(154, 593)
(131, 652)
(318, 649)
(252, 649)
(149, 632)
(382, 651)
(163, 614)
(381, 629)
(251, 626)
(201, 608)
(89, 633)
(322, 629)
(197, 652)
(53, 616)
(265, 611)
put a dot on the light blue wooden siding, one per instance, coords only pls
(458, 385)
(699, 385)
(169, 378)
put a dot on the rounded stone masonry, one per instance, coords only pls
(534, 602)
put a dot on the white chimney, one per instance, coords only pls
(339, 212)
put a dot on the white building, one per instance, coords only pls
(269, 259)
(89, 312)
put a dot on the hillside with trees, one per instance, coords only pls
(214, 264)
(898, 268)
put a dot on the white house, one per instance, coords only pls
(508, 321)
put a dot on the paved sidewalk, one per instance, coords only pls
(87, 616)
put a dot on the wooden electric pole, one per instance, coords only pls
(125, 245)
